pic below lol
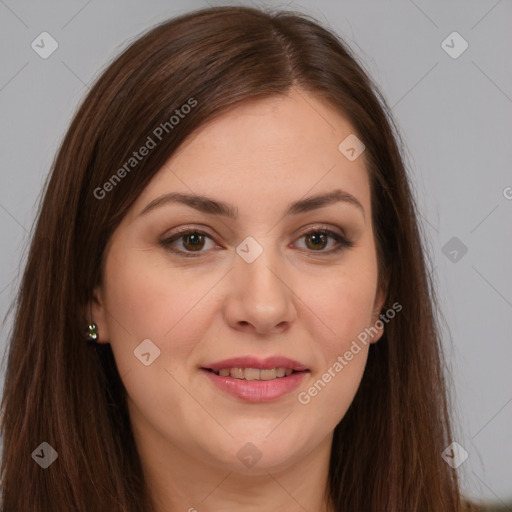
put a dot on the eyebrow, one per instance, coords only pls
(213, 207)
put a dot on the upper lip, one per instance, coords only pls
(256, 362)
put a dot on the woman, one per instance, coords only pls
(230, 216)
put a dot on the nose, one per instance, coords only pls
(260, 295)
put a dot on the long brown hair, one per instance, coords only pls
(386, 453)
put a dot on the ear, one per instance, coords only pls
(380, 298)
(99, 315)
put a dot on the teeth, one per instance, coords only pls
(255, 373)
(267, 374)
(237, 373)
(280, 372)
(252, 374)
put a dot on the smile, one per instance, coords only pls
(254, 373)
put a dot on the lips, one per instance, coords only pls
(256, 380)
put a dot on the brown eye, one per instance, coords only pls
(192, 241)
(318, 239)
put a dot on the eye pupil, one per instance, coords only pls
(317, 238)
(196, 239)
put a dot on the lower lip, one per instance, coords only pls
(257, 390)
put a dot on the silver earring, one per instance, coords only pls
(92, 334)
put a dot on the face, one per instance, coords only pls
(271, 280)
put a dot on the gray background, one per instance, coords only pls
(454, 114)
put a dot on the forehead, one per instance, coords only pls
(276, 149)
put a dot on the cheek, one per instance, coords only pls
(169, 307)
(330, 391)
(343, 307)
(145, 301)
(340, 310)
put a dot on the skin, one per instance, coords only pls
(295, 300)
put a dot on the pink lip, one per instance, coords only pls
(256, 390)
(255, 362)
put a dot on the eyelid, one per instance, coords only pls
(321, 227)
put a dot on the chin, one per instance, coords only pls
(258, 454)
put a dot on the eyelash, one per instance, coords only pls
(343, 243)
